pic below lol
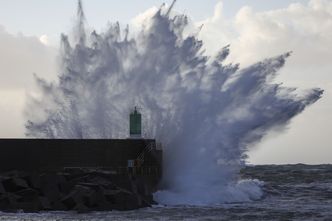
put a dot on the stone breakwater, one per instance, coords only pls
(78, 190)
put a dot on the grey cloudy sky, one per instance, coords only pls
(29, 32)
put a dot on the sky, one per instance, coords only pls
(256, 29)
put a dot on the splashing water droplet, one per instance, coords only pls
(205, 112)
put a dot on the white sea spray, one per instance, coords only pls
(205, 112)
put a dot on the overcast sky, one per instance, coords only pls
(256, 29)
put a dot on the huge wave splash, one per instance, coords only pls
(205, 113)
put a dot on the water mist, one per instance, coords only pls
(205, 112)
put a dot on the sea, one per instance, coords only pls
(291, 192)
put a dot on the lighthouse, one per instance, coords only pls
(135, 124)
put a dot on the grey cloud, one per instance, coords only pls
(20, 57)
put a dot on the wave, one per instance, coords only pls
(205, 113)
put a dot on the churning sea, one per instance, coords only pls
(291, 192)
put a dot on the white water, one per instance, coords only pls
(205, 112)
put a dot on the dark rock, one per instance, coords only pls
(14, 184)
(99, 201)
(92, 200)
(125, 200)
(60, 178)
(2, 188)
(34, 180)
(4, 202)
(69, 202)
(78, 177)
(11, 174)
(59, 206)
(28, 207)
(80, 195)
(50, 187)
(44, 203)
(81, 208)
(110, 195)
(81, 191)
(100, 181)
(27, 195)
(92, 186)
(9, 201)
(65, 188)
(51, 193)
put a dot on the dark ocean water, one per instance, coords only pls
(292, 192)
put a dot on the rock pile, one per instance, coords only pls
(72, 189)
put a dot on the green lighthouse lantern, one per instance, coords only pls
(135, 127)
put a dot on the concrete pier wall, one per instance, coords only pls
(42, 154)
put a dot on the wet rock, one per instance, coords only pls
(50, 187)
(125, 200)
(101, 181)
(28, 207)
(69, 202)
(44, 203)
(81, 208)
(4, 202)
(81, 191)
(2, 188)
(66, 187)
(81, 194)
(59, 206)
(9, 201)
(100, 202)
(34, 180)
(27, 194)
(14, 184)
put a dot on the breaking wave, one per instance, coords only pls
(205, 112)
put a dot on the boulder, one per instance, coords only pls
(2, 188)
(50, 187)
(28, 207)
(9, 201)
(44, 203)
(69, 202)
(81, 190)
(27, 195)
(33, 180)
(80, 195)
(4, 202)
(59, 206)
(14, 184)
(99, 201)
(125, 200)
(81, 208)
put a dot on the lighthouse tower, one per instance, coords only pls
(135, 124)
